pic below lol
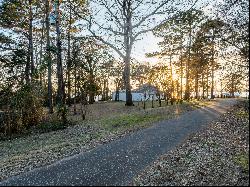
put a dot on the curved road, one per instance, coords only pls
(118, 162)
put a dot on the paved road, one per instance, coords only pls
(118, 162)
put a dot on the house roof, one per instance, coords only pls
(146, 88)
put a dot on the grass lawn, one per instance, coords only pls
(104, 122)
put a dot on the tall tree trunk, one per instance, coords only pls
(104, 90)
(207, 82)
(172, 81)
(82, 98)
(83, 104)
(91, 92)
(129, 101)
(107, 90)
(41, 52)
(75, 86)
(212, 66)
(69, 58)
(60, 88)
(203, 85)
(117, 95)
(30, 61)
(196, 84)
(36, 54)
(128, 41)
(27, 70)
(232, 86)
(187, 90)
(181, 75)
(31, 54)
(221, 89)
(212, 81)
(177, 89)
(59, 56)
(48, 54)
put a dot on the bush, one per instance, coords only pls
(22, 108)
(51, 123)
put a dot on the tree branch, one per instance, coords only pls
(142, 32)
(112, 14)
(7, 48)
(139, 3)
(103, 41)
(151, 14)
(110, 29)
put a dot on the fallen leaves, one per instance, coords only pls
(29, 152)
(218, 155)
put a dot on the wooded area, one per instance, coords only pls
(57, 54)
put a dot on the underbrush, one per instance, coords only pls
(51, 123)
(22, 109)
(22, 113)
(120, 121)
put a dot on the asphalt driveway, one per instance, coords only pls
(118, 162)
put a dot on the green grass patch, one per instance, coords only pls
(242, 113)
(129, 121)
(199, 103)
(144, 118)
(243, 161)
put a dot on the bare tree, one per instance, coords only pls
(125, 22)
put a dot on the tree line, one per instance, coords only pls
(61, 53)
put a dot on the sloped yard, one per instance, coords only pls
(217, 156)
(108, 121)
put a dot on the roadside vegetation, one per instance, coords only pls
(39, 121)
(65, 65)
(216, 156)
(51, 72)
(45, 144)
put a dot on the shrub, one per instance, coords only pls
(51, 123)
(22, 108)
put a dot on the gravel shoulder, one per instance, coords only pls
(216, 156)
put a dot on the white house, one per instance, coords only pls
(244, 94)
(122, 96)
(138, 95)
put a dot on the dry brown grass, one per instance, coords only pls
(100, 110)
